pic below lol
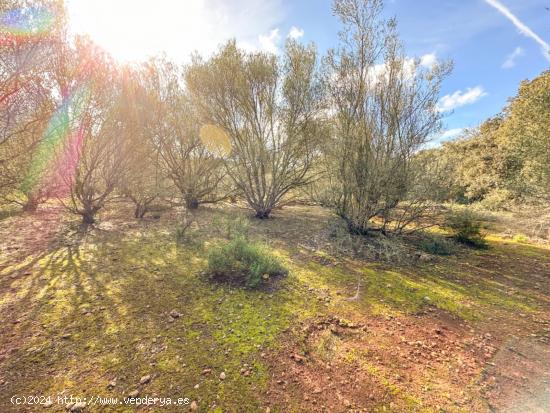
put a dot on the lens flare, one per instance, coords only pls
(25, 24)
(55, 159)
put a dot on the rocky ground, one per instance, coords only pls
(123, 311)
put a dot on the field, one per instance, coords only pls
(124, 309)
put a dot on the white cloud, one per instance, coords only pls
(451, 134)
(522, 27)
(459, 98)
(410, 66)
(511, 58)
(295, 32)
(269, 43)
(428, 60)
(445, 136)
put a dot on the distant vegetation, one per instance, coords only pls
(346, 130)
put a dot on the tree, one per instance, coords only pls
(384, 110)
(525, 139)
(195, 171)
(270, 109)
(142, 180)
(93, 154)
(29, 35)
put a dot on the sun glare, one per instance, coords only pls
(134, 30)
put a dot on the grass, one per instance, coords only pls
(242, 262)
(97, 308)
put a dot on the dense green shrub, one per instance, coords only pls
(466, 227)
(437, 245)
(242, 262)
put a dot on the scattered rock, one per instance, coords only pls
(49, 403)
(425, 257)
(66, 336)
(194, 406)
(133, 394)
(222, 376)
(111, 384)
(175, 314)
(297, 358)
(78, 407)
(206, 371)
(145, 379)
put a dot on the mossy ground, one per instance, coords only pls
(81, 309)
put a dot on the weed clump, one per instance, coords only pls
(466, 227)
(437, 245)
(242, 262)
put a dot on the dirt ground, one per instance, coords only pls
(122, 310)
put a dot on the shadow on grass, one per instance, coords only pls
(98, 311)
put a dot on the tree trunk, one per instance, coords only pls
(140, 211)
(191, 203)
(31, 205)
(263, 214)
(88, 218)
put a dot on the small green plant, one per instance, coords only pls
(437, 245)
(466, 227)
(184, 229)
(520, 238)
(231, 228)
(242, 262)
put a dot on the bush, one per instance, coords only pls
(242, 262)
(520, 238)
(437, 245)
(466, 227)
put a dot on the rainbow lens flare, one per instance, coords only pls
(56, 157)
(25, 24)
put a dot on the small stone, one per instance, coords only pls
(175, 314)
(206, 371)
(112, 384)
(78, 407)
(66, 336)
(49, 403)
(347, 403)
(145, 379)
(222, 376)
(194, 406)
(196, 386)
(133, 394)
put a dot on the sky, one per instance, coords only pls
(494, 44)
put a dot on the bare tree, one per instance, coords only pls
(195, 171)
(94, 155)
(384, 110)
(270, 109)
(25, 105)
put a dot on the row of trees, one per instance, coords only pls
(506, 159)
(345, 128)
